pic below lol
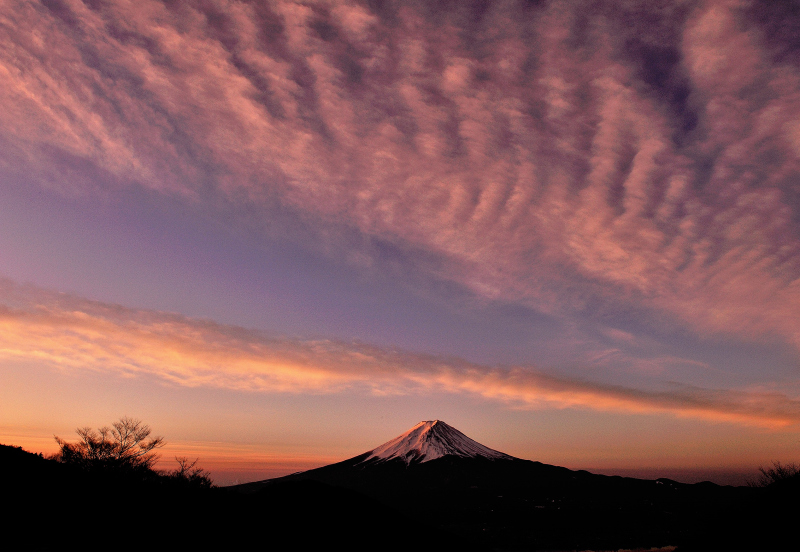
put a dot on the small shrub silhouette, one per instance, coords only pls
(189, 475)
(778, 474)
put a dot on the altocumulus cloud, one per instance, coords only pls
(555, 154)
(71, 333)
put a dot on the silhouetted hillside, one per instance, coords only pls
(494, 500)
(754, 519)
(52, 505)
(522, 505)
(449, 503)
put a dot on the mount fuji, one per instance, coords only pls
(493, 500)
(432, 455)
(428, 441)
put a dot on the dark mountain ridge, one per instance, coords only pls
(435, 472)
(431, 488)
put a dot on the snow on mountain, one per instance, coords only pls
(430, 440)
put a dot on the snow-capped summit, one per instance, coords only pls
(430, 440)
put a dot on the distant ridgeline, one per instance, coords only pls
(436, 473)
(432, 488)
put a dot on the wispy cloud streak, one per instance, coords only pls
(70, 333)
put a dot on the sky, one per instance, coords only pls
(281, 233)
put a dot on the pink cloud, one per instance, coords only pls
(532, 151)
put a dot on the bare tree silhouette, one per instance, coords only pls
(126, 449)
(188, 473)
(125, 446)
(776, 474)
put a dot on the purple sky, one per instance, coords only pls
(282, 233)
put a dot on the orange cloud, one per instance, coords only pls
(70, 333)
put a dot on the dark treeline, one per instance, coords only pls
(103, 493)
(762, 516)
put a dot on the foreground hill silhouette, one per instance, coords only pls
(431, 488)
(55, 505)
(437, 473)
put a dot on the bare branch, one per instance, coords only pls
(125, 444)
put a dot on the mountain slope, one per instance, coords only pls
(429, 455)
(495, 500)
